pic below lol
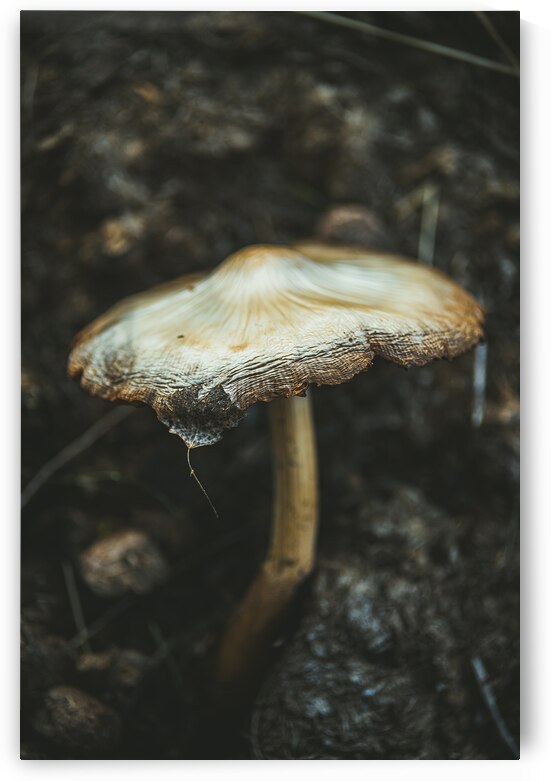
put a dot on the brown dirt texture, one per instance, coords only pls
(154, 145)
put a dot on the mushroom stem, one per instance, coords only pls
(295, 480)
(290, 558)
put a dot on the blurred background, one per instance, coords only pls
(154, 145)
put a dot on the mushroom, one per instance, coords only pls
(266, 324)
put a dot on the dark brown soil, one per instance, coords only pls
(154, 145)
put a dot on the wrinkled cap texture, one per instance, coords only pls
(266, 323)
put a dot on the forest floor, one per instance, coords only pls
(155, 145)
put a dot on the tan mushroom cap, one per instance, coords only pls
(266, 323)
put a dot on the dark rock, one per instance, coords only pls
(74, 720)
(338, 692)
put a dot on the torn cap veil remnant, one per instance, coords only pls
(266, 323)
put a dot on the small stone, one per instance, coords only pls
(94, 664)
(119, 235)
(121, 563)
(77, 722)
(352, 224)
(119, 668)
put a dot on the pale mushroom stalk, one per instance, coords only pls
(290, 557)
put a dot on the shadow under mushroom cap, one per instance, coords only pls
(266, 323)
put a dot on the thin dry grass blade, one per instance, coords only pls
(74, 601)
(480, 362)
(429, 224)
(408, 40)
(73, 449)
(490, 701)
(486, 22)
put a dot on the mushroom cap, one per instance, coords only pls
(266, 323)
